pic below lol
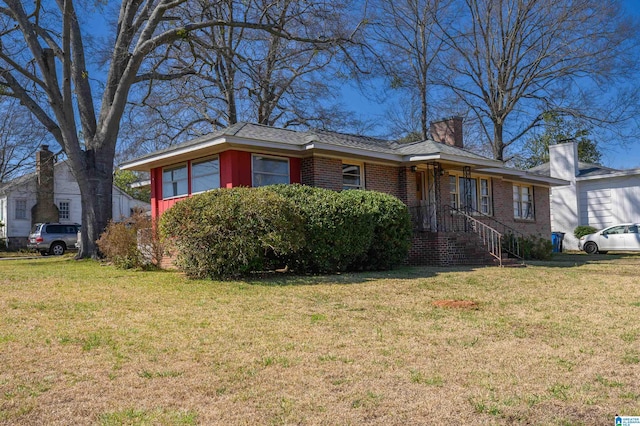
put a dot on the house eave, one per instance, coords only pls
(618, 174)
(451, 159)
(521, 175)
(343, 151)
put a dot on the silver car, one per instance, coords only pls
(622, 237)
(53, 238)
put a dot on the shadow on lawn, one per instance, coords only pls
(569, 260)
(401, 273)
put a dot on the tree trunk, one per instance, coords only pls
(96, 198)
(498, 144)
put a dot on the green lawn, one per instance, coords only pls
(554, 343)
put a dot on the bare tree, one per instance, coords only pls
(512, 60)
(409, 44)
(243, 74)
(20, 137)
(43, 63)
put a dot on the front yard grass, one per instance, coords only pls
(556, 343)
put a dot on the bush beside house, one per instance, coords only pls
(130, 244)
(233, 232)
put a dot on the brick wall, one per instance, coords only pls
(446, 249)
(322, 172)
(382, 179)
(503, 209)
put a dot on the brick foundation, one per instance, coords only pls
(446, 249)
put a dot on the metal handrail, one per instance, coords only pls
(451, 219)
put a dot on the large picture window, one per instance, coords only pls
(269, 170)
(522, 202)
(471, 193)
(352, 176)
(174, 182)
(205, 175)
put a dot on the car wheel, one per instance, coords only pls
(57, 249)
(591, 248)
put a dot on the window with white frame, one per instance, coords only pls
(174, 181)
(453, 190)
(64, 210)
(269, 170)
(485, 196)
(352, 176)
(522, 201)
(2, 211)
(205, 175)
(21, 209)
(472, 193)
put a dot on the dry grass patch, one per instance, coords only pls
(554, 343)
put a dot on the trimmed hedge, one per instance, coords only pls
(337, 229)
(232, 232)
(350, 230)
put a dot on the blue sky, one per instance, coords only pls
(614, 153)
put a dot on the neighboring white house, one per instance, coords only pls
(18, 199)
(596, 196)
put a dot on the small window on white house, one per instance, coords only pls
(64, 210)
(522, 202)
(270, 170)
(174, 182)
(205, 175)
(21, 209)
(352, 176)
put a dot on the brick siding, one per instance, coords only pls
(322, 172)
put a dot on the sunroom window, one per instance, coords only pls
(205, 175)
(270, 170)
(174, 182)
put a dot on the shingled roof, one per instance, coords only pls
(304, 140)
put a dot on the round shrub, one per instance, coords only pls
(391, 230)
(349, 230)
(337, 231)
(232, 232)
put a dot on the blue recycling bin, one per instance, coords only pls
(556, 241)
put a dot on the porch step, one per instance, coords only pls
(510, 262)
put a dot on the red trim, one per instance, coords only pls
(295, 170)
(235, 170)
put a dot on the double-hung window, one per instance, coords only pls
(485, 197)
(522, 201)
(205, 175)
(21, 209)
(269, 170)
(64, 210)
(352, 176)
(175, 182)
(470, 193)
